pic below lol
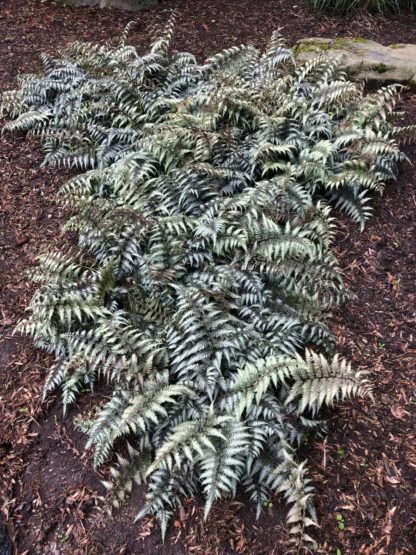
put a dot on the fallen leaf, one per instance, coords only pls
(392, 479)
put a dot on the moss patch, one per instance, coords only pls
(312, 45)
(380, 68)
(345, 43)
(348, 44)
(316, 45)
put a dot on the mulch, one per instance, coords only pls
(364, 471)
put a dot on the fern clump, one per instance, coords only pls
(205, 270)
(92, 101)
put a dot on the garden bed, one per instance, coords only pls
(365, 468)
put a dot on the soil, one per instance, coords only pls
(364, 470)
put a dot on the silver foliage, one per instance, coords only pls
(205, 270)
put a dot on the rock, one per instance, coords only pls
(132, 5)
(365, 59)
(5, 543)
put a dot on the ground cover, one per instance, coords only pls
(367, 457)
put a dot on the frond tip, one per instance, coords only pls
(317, 382)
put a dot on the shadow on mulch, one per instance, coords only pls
(364, 470)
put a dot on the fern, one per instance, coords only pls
(204, 272)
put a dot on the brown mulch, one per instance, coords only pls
(365, 470)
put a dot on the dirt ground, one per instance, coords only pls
(364, 470)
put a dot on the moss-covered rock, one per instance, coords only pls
(363, 58)
(312, 45)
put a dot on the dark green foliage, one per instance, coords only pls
(205, 269)
(349, 6)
